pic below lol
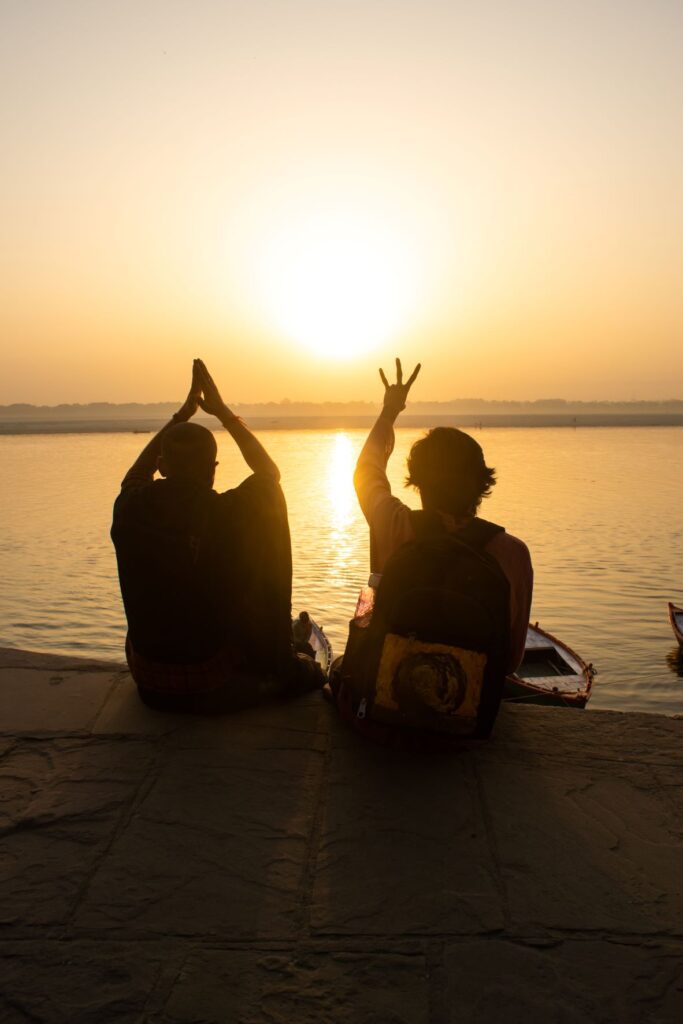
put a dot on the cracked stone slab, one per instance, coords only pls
(292, 723)
(570, 982)
(296, 724)
(60, 804)
(537, 733)
(124, 714)
(314, 988)
(588, 848)
(403, 847)
(57, 982)
(37, 701)
(218, 847)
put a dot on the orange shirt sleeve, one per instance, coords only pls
(514, 559)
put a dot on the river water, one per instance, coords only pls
(600, 509)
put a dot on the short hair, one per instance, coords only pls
(447, 466)
(188, 449)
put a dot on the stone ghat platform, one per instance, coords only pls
(272, 867)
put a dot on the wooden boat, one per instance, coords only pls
(551, 673)
(320, 644)
(676, 620)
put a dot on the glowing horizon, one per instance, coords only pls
(301, 192)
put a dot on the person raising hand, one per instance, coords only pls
(206, 577)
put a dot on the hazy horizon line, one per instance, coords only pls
(543, 404)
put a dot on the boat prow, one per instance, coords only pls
(551, 673)
(676, 620)
(322, 648)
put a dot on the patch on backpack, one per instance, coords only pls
(431, 685)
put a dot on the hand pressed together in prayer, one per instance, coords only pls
(191, 403)
(395, 395)
(210, 399)
(204, 395)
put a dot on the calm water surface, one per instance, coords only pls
(600, 509)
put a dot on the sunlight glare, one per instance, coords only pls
(340, 490)
(338, 284)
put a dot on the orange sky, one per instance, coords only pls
(297, 190)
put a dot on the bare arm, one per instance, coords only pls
(388, 518)
(370, 478)
(143, 469)
(253, 452)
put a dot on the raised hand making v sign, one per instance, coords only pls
(396, 395)
(370, 478)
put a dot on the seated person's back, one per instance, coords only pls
(183, 552)
(448, 468)
(205, 577)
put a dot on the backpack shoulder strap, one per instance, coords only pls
(476, 534)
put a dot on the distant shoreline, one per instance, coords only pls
(147, 425)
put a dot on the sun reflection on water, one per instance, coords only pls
(581, 575)
(340, 479)
(342, 498)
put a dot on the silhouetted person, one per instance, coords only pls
(442, 575)
(206, 577)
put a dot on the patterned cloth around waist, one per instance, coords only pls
(216, 673)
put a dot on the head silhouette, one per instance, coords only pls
(447, 467)
(188, 451)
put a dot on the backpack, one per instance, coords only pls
(431, 658)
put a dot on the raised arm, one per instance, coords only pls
(253, 452)
(370, 477)
(143, 469)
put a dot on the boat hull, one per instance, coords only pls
(569, 685)
(321, 646)
(520, 692)
(676, 620)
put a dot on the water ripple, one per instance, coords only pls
(599, 509)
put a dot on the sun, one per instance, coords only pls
(337, 282)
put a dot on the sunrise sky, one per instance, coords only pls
(298, 190)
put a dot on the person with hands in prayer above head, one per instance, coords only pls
(205, 576)
(447, 467)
